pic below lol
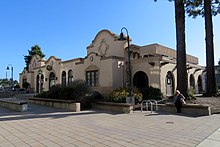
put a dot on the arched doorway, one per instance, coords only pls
(199, 83)
(169, 84)
(140, 80)
(41, 83)
(37, 83)
(52, 79)
(192, 82)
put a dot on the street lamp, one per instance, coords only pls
(123, 38)
(8, 68)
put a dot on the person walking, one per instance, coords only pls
(179, 99)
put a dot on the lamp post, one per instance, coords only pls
(8, 68)
(123, 38)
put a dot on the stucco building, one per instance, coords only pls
(105, 67)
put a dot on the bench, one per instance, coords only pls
(14, 104)
(194, 109)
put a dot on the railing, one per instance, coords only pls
(145, 104)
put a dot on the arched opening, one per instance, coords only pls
(41, 83)
(192, 82)
(199, 83)
(52, 79)
(70, 77)
(169, 84)
(37, 83)
(63, 78)
(140, 80)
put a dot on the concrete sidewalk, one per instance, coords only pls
(42, 126)
(212, 141)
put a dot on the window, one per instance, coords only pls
(92, 78)
(63, 78)
(70, 77)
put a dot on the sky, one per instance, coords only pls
(64, 28)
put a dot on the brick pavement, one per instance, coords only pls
(42, 126)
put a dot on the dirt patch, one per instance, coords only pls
(213, 102)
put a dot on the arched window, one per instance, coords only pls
(169, 84)
(41, 83)
(37, 83)
(70, 77)
(63, 78)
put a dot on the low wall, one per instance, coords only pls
(113, 107)
(14, 104)
(62, 104)
(194, 109)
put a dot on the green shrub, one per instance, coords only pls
(191, 93)
(151, 93)
(78, 90)
(89, 98)
(218, 91)
(119, 95)
(75, 91)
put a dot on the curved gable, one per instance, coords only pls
(105, 44)
(99, 34)
(35, 62)
(51, 59)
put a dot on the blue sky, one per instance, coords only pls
(64, 28)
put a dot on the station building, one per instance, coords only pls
(105, 67)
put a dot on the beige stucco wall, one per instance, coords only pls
(164, 70)
(108, 56)
(106, 44)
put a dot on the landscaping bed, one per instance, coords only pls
(14, 104)
(56, 103)
(213, 102)
(113, 107)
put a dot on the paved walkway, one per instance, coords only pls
(42, 126)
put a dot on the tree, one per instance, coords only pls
(219, 67)
(5, 82)
(182, 82)
(25, 85)
(206, 8)
(35, 50)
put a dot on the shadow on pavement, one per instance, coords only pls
(174, 113)
(38, 111)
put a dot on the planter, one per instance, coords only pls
(194, 109)
(113, 107)
(14, 104)
(62, 104)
